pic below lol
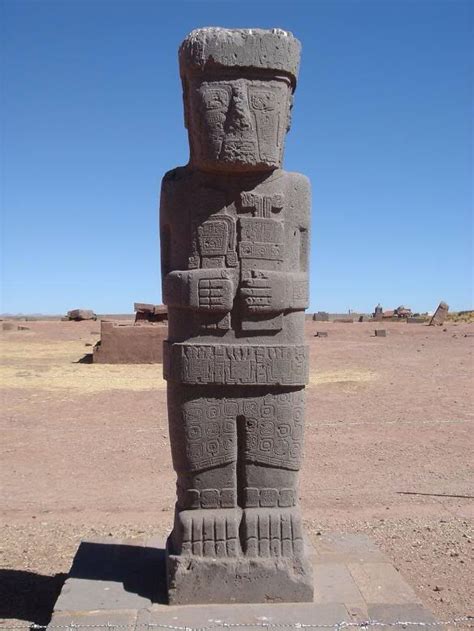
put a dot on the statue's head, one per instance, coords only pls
(238, 89)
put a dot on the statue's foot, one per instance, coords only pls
(272, 532)
(209, 533)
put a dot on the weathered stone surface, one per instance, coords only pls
(378, 313)
(380, 583)
(81, 314)
(440, 314)
(145, 312)
(114, 583)
(130, 344)
(333, 581)
(234, 243)
(252, 617)
(392, 614)
(253, 580)
(113, 576)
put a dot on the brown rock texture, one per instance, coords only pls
(234, 242)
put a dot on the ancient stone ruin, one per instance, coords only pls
(234, 241)
(80, 314)
(140, 342)
(440, 314)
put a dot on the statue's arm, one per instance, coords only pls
(208, 290)
(265, 291)
(274, 292)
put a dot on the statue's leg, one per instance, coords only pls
(204, 449)
(271, 437)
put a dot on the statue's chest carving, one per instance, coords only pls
(252, 231)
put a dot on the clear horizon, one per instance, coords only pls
(382, 125)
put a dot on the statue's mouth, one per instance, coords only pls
(242, 151)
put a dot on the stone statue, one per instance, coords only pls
(234, 245)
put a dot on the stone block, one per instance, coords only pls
(380, 333)
(218, 616)
(114, 583)
(130, 344)
(440, 314)
(321, 334)
(241, 579)
(113, 576)
(408, 612)
(380, 583)
(334, 583)
(81, 314)
(346, 548)
(111, 620)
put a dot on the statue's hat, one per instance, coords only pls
(214, 50)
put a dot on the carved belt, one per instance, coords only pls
(235, 364)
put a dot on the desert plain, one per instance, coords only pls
(85, 453)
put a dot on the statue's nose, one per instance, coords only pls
(239, 115)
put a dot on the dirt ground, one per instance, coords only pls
(85, 452)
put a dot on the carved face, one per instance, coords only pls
(238, 124)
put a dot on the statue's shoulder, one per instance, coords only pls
(176, 177)
(298, 180)
(298, 196)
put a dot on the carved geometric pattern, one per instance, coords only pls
(234, 364)
(203, 432)
(210, 434)
(207, 498)
(272, 533)
(207, 533)
(274, 430)
(269, 498)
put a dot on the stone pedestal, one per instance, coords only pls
(123, 584)
(239, 580)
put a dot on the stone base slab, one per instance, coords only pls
(123, 584)
(193, 580)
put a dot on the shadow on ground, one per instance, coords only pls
(140, 569)
(88, 358)
(32, 597)
(28, 596)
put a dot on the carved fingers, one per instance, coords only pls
(215, 294)
(263, 292)
(211, 290)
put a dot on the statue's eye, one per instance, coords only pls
(215, 98)
(262, 100)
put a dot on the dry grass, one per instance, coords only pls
(53, 367)
(463, 316)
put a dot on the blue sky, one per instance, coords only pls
(92, 118)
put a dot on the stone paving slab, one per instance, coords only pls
(252, 616)
(334, 580)
(380, 584)
(122, 584)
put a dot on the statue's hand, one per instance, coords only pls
(214, 293)
(210, 290)
(263, 292)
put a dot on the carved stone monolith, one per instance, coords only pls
(234, 246)
(440, 314)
